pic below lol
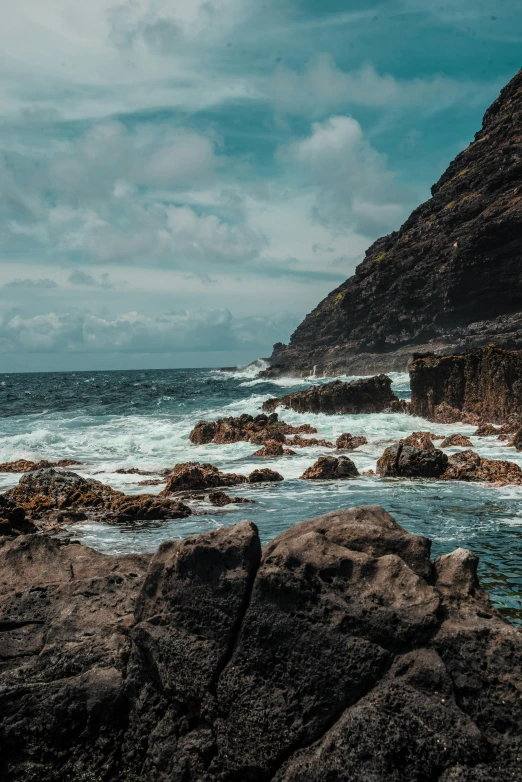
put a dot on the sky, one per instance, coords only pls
(181, 181)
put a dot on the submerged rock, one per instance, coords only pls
(256, 430)
(456, 440)
(329, 468)
(23, 465)
(368, 395)
(220, 499)
(349, 442)
(469, 466)
(408, 461)
(340, 652)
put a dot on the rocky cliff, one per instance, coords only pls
(448, 280)
(339, 652)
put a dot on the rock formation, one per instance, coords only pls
(193, 475)
(459, 440)
(347, 442)
(368, 395)
(272, 448)
(328, 468)
(469, 466)
(410, 461)
(340, 652)
(484, 384)
(447, 281)
(245, 428)
(23, 465)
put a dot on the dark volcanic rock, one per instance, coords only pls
(265, 476)
(220, 499)
(328, 468)
(484, 383)
(340, 652)
(23, 465)
(257, 430)
(456, 440)
(516, 442)
(13, 520)
(309, 442)
(408, 461)
(447, 281)
(347, 442)
(368, 395)
(193, 475)
(469, 466)
(419, 440)
(272, 448)
(51, 496)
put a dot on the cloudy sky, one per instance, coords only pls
(181, 181)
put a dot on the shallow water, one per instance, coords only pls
(110, 420)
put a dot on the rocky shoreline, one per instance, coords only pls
(339, 651)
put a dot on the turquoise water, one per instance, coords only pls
(110, 420)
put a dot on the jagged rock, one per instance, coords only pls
(407, 461)
(447, 281)
(220, 499)
(516, 442)
(309, 442)
(273, 448)
(486, 430)
(340, 652)
(51, 496)
(368, 395)
(485, 385)
(329, 468)
(445, 414)
(13, 520)
(264, 476)
(23, 465)
(456, 440)
(256, 430)
(349, 442)
(421, 440)
(193, 475)
(469, 466)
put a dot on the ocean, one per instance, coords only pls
(112, 420)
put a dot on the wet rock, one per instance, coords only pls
(349, 442)
(23, 465)
(484, 383)
(407, 461)
(309, 442)
(421, 440)
(152, 482)
(133, 471)
(145, 507)
(486, 430)
(469, 466)
(338, 652)
(516, 442)
(329, 468)
(368, 395)
(13, 520)
(273, 448)
(256, 430)
(456, 440)
(264, 476)
(220, 499)
(446, 414)
(193, 475)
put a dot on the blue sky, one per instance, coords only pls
(181, 181)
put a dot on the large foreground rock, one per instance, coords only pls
(340, 652)
(368, 395)
(486, 384)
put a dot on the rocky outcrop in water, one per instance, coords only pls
(330, 468)
(258, 430)
(50, 497)
(340, 651)
(368, 395)
(272, 448)
(23, 465)
(469, 466)
(193, 476)
(410, 461)
(447, 281)
(349, 442)
(485, 384)
(459, 440)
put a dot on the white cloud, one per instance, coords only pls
(207, 330)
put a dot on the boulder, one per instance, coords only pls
(408, 461)
(273, 448)
(349, 442)
(145, 507)
(469, 466)
(421, 440)
(486, 430)
(485, 383)
(458, 439)
(256, 430)
(368, 395)
(330, 468)
(339, 652)
(264, 476)
(220, 499)
(193, 475)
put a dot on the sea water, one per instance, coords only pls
(112, 420)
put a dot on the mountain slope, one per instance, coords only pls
(450, 278)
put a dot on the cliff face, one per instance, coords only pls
(449, 280)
